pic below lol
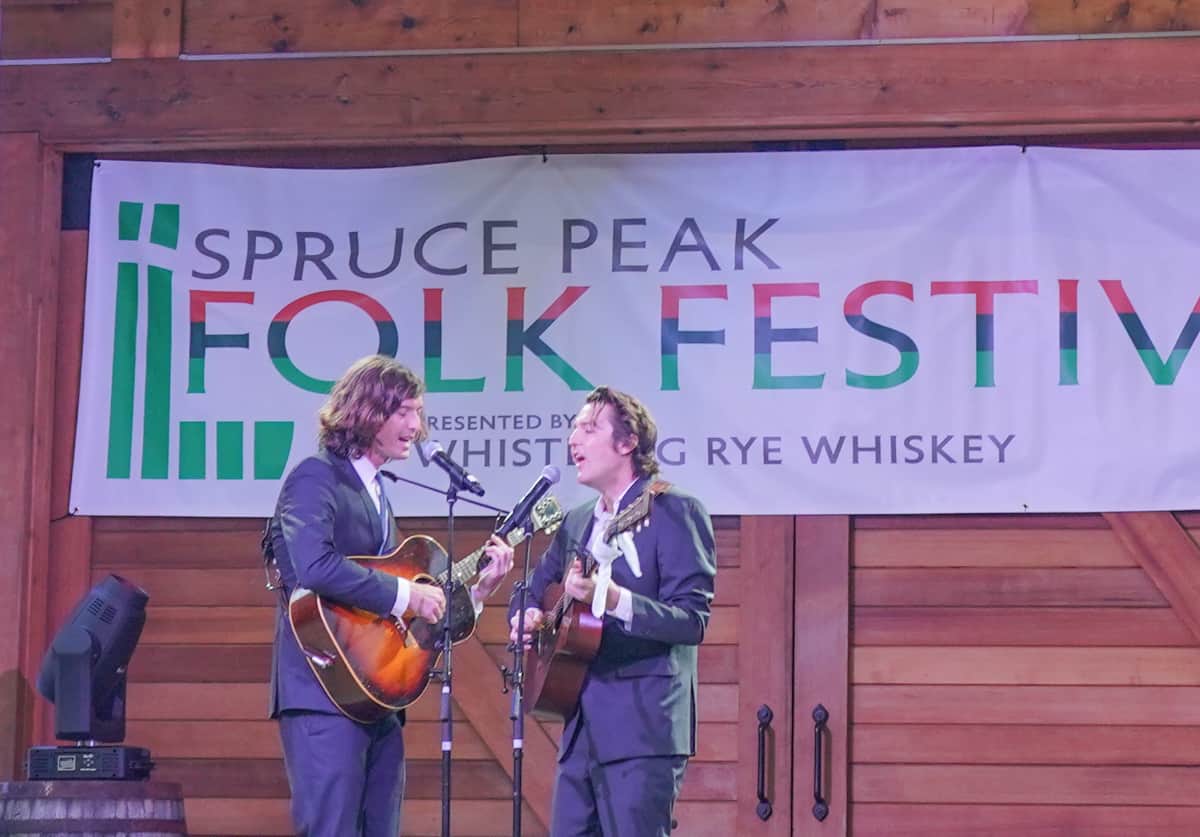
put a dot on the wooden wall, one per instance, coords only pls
(95, 28)
(1006, 672)
(1022, 675)
(490, 72)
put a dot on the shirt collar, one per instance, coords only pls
(599, 510)
(366, 471)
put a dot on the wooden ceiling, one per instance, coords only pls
(265, 74)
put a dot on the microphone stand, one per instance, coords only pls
(447, 669)
(445, 673)
(516, 677)
(397, 478)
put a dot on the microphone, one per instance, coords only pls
(459, 476)
(521, 512)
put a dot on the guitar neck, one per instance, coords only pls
(465, 569)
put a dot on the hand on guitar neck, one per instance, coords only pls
(497, 561)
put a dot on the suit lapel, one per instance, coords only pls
(365, 505)
(622, 573)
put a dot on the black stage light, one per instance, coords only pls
(83, 674)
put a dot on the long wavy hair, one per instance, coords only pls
(368, 393)
(631, 422)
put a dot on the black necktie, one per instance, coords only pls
(385, 515)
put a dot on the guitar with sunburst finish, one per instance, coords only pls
(372, 665)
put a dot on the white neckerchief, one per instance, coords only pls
(606, 554)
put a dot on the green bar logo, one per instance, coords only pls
(272, 440)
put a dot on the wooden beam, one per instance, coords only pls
(29, 207)
(248, 26)
(1002, 89)
(147, 28)
(42, 29)
(1169, 556)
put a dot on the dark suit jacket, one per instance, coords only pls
(323, 514)
(639, 698)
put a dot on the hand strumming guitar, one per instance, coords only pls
(427, 601)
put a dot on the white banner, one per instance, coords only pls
(925, 331)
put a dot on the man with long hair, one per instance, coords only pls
(625, 746)
(347, 778)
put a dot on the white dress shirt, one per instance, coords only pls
(367, 472)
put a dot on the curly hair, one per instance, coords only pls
(362, 400)
(631, 422)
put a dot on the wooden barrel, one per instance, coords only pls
(85, 806)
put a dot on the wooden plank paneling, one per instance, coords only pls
(227, 701)
(1161, 705)
(934, 19)
(1006, 587)
(421, 817)
(1053, 18)
(717, 742)
(747, 21)
(888, 820)
(148, 28)
(44, 29)
(249, 26)
(206, 625)
(221, 545)
(988, 548)
(1026, 744)
(696, 816)
(1024, 784)
(710, 781)
(198, 587)
(266, 778)
(578, 22)
(992, 524)
(1108, 626)
(216, 663)
(1028, 666)
(602, 97)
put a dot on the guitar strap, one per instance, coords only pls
(580, 549)
(271, 566)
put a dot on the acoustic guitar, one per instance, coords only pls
(557, 660)
(371, 665)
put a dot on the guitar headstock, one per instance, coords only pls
(547, 515)
(636, 515)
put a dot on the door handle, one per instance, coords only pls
(763, 809)
(820, 715)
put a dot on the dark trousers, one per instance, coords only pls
(347, 779)
(627, 798)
